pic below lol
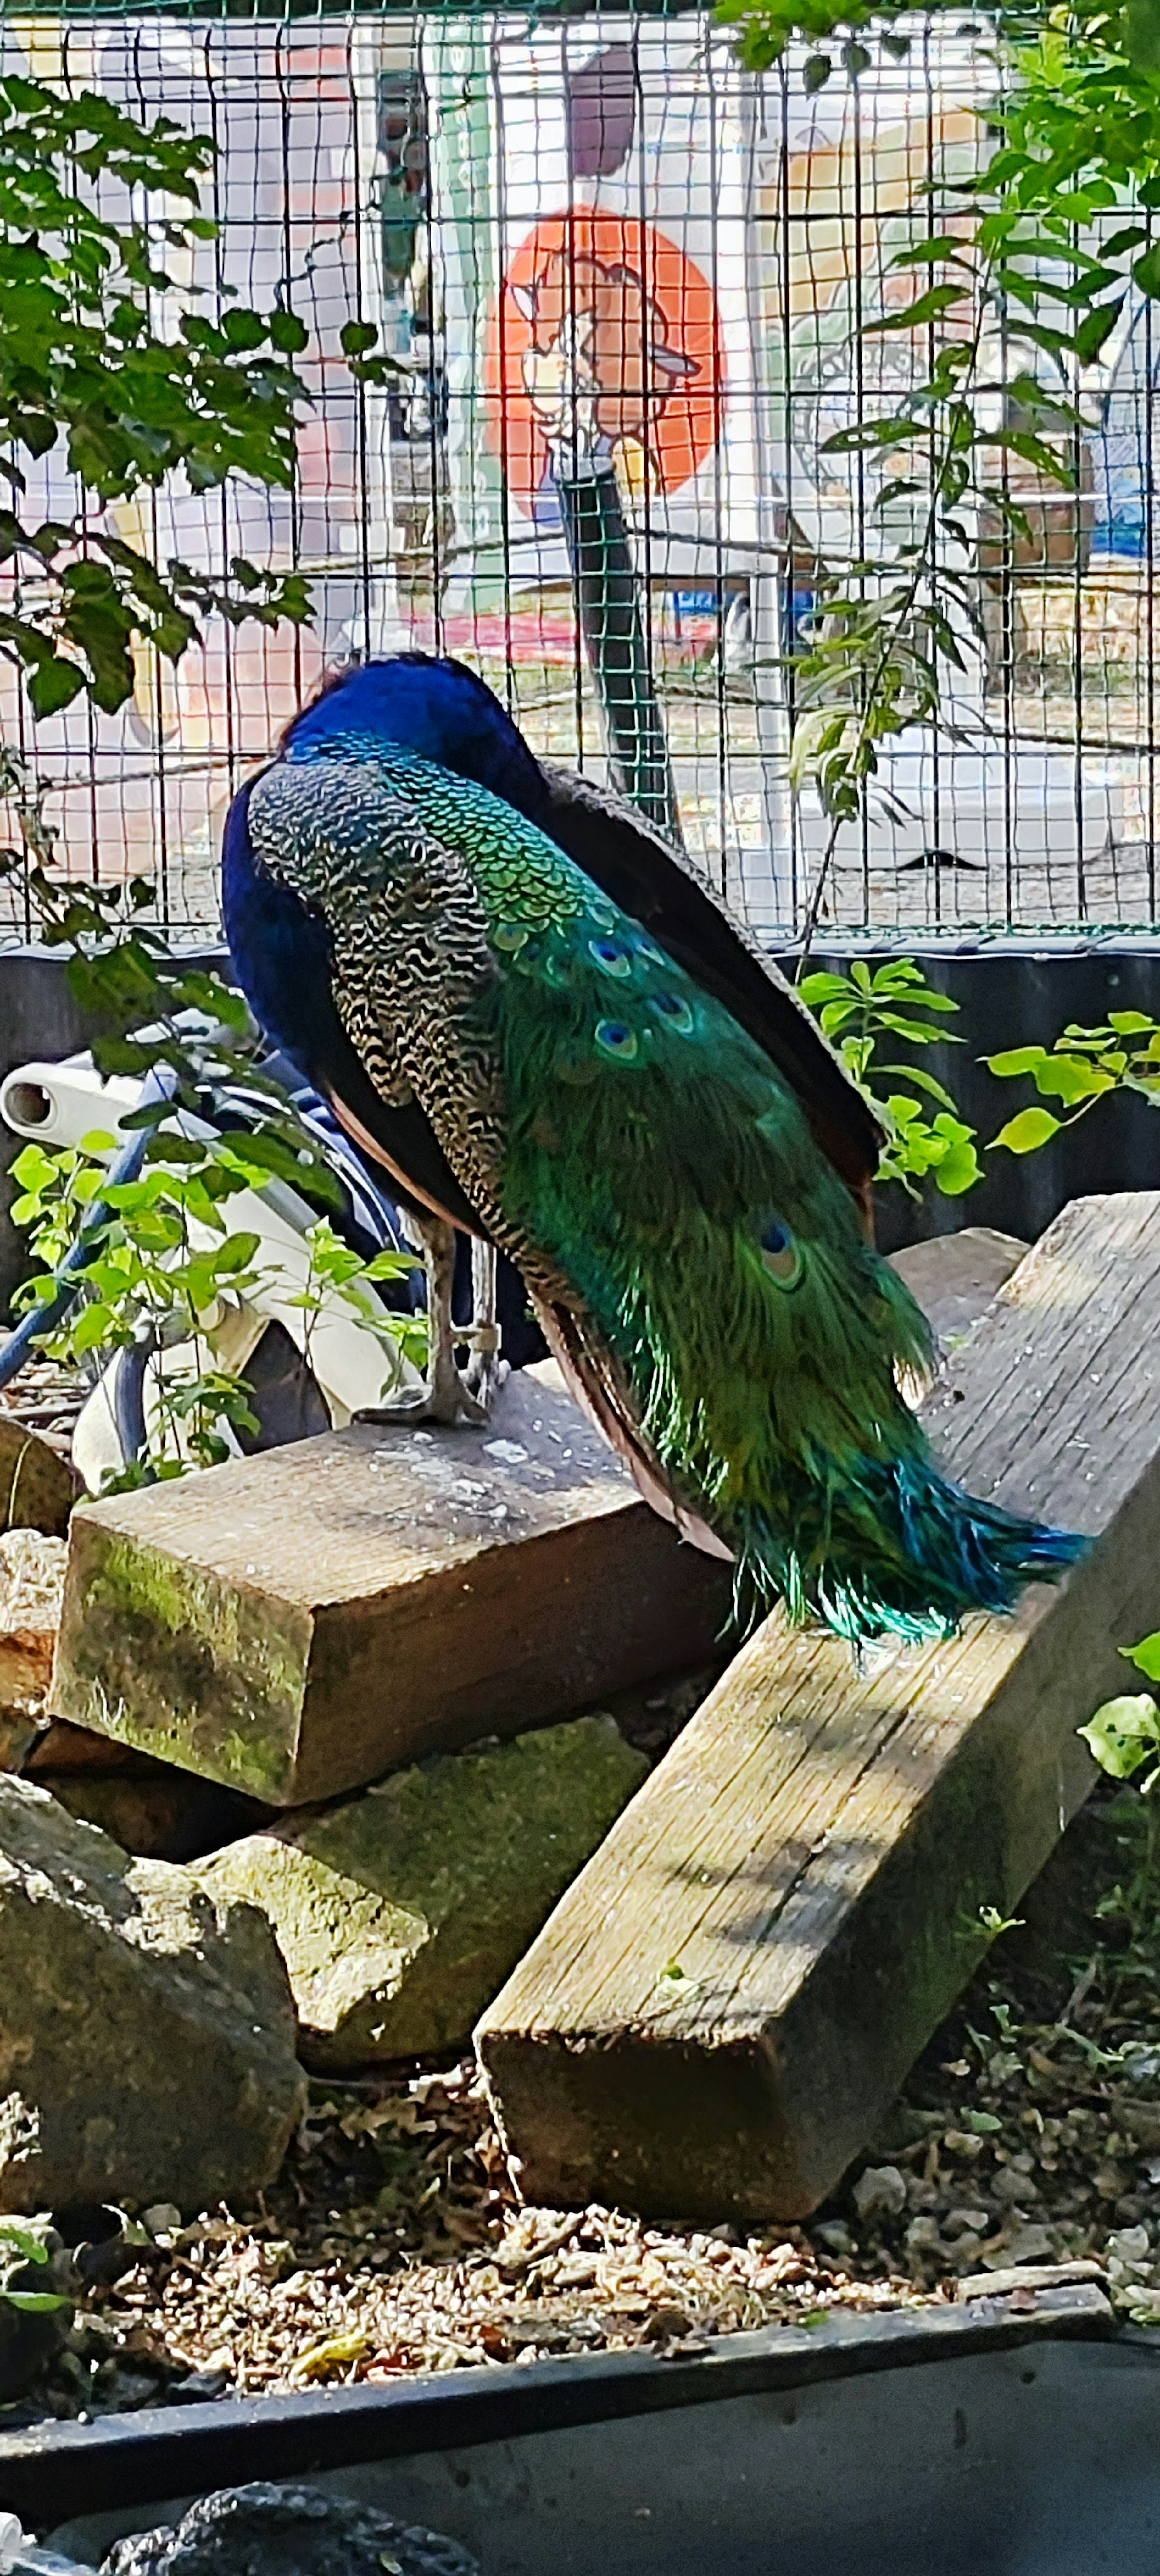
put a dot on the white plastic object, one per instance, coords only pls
(58, 1105)
(21, 2556)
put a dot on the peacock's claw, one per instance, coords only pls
(452, 1405)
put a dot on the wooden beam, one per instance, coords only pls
(728, 1997)
(297, 1623)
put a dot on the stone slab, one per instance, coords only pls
(400, 1913)
(37, 1489)
(719, 2012)
(297, 1623)
(146, 2035)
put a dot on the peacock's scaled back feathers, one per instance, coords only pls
(697, 1261)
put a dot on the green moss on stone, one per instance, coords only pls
(400, 1913)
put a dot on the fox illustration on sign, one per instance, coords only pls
(606, 351)
(600, 363)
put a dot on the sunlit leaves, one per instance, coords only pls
(82, 362)
(1083, 1066)
(164, 1253)
(1026, 1132)
(1123, 1735)
(895, 1001)
(1145, 1656)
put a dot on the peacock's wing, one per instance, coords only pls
(281, 952)
(633, 863)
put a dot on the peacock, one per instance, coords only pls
(536, 1015)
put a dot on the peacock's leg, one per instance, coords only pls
(447, 1397)
(486, 1371)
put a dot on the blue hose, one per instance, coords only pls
(159, 1084)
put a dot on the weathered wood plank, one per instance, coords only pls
(297, 1623)
(727, 1998)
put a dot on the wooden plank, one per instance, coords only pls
(955, 1276)
(726, 2000)
(297, 1623)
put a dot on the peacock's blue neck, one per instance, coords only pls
(437, 709)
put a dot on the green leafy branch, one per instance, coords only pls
(1021, 271)
(82, 360)
(1125, 1733)
(1082, 1066)
(895, 1003)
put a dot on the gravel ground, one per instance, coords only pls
(394, 2241)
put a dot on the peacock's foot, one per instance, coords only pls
(447, 1398)
(486, 1371)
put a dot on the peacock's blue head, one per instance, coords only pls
(438, 708)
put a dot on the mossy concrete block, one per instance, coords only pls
(146, 2031)
(400, 1913)
(298, 1623)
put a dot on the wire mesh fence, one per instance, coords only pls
(625, 289)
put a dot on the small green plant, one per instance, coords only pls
(893, 1003)
(162, 1258)
(1022, 266)
(338, 1274)
(23, 2242)
(1124, 1737)
(86, 359)
(1083, 1066)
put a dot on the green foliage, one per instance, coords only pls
(1082, 1066)
(161, 1255)
(337, 1273)
(1125, 1733)
(895, 1003)
(1005, 260)
(82, 359)
(24, 2238)
(22, 2241)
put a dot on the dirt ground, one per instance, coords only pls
(394, 2241)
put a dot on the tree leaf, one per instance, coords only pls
(1145, 1656)
(1123, 1734)
(816, 74)
(926, 308)
(1070, 1078)
(1024, 1134)
(1094, 330)
(1142, 34)
(1016, 1060)
(53, 685)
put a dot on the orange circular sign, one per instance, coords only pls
(606, 339)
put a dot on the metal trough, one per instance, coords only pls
(965, 2441)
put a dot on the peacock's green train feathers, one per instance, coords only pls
(659, 1158)
(658, 1161)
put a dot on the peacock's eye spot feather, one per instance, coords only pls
(645, 947)
(611, 958)
(674, 1012)
(780, 1254)
(615, 1038)
(510, 935)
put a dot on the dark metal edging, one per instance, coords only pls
(53, 2472)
